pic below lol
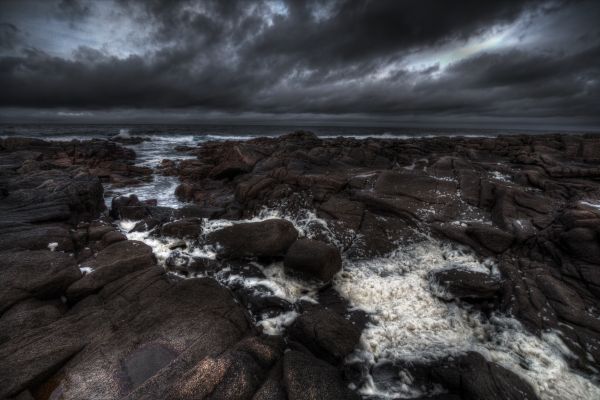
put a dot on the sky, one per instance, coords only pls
(521, 63)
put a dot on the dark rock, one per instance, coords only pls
(270, 238)
(494, 239)
(38, 273)
(112, 237)
(141, 335)
(128, 207)
(27, 315)
(462, 283)
(313, 259)
(307, 377)
(475, 378)
(583, 243)
(115, 261)
(326, 334)
(183, 228)
(36, 237)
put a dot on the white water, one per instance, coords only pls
(408, 322)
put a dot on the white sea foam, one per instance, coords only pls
(86, 270)
(595, 205)
(123, 134)
(277, 325)
(410, 323)
(500, 176)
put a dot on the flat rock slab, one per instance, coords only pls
(38, 273)
(113, 262)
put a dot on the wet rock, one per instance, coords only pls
(183, 228)
(306, 377)
(260, 300)
(326, 334)
(473, 377)
(270, 238)
(112, 237)
(128, 207)
(188, 265)
(313, 259)
(462, 283)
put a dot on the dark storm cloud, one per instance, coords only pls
(373, 58)
(9, 36)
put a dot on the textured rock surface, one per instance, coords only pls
(270, 238)
(313, 259)
(123, 328)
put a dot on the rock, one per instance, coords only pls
(51, 196)
(128, 207)
(473, 377)
(349, 212)
(462, 283)
(326, 334)
(494, 239)
(306, 377)
(36, 237)
(115, 261)
(120, 341)
(270, 238)
(38, 273)
(184, 228)
(28, 315)
(112, 237)
(313, 259)
(583, 243)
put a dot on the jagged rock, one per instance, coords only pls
(313, 259)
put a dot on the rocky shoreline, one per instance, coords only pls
(89, 312)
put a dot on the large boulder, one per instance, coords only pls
(326, 334)
(113, 262)
(313, 259)
(270, 238)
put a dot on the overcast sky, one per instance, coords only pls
(366, 62)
